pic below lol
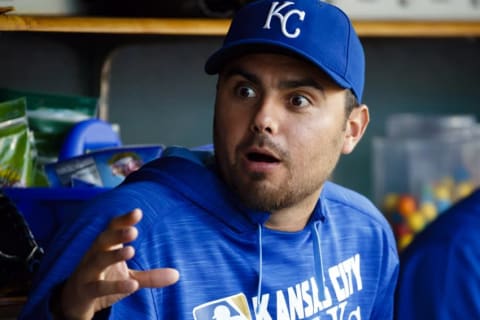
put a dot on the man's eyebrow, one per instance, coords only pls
(306, 82)
(235, 71)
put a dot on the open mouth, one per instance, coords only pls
(261, 157)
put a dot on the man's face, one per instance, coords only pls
(279, 129)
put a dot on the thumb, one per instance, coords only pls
(156, 278)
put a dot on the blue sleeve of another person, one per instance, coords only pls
(440, 270)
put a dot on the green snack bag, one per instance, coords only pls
(50, 117)
(15, 147)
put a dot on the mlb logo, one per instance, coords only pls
(230, 308)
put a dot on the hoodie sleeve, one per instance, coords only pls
(441, 281)
(440, 270)
(67, 248)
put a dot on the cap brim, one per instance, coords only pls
(236, 49)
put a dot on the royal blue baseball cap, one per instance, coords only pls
(317, 31)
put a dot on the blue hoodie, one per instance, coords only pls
(342, 265)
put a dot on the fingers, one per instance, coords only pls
(108, 250)
(97, 263)
(112, 238)
(128, 219)
(102, 278)
(103, 288)
(156, 278)
(120, 230)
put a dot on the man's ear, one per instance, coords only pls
(356, 125)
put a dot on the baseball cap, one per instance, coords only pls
(312, 29)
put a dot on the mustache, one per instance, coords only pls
(262, 140)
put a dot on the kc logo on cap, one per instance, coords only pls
(313, 30)
(276, 11)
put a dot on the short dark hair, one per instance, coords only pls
(351, 102)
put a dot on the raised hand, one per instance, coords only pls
(102, 277)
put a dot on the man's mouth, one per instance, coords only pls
(261, 157)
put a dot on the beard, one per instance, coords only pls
(260, 194)
(257, 191)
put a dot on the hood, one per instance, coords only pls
(189, 172)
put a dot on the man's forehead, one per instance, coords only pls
(250, 62)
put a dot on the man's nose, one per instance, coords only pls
(265, 118)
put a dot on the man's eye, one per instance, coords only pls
(245, 92)
(299, 101)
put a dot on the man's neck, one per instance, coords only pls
(293, 218)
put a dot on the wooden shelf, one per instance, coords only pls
(159, 26)
(218, 27)
(418, 28)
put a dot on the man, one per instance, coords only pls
(255, 228)
(440, 274)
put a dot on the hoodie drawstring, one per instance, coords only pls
(260, 268)
(317, 255)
